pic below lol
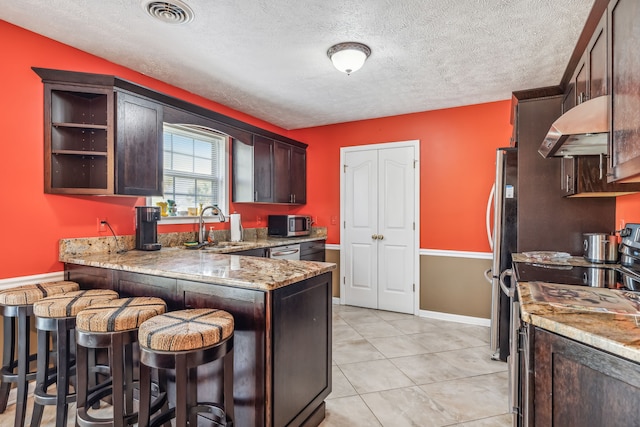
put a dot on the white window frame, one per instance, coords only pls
(223, 165)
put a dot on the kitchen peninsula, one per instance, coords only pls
(282, 313)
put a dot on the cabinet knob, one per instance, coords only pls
(374, 236)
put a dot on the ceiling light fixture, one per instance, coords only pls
(348, 57)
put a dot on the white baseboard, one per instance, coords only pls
(479, 321)
(36, 278)
(336, 300)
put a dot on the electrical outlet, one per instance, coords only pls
(101, 224)
(334, 219)
(259, 219)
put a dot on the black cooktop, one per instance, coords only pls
(600, 277)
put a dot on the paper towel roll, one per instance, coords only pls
(236, 227)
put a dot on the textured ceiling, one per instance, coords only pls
(268, 58)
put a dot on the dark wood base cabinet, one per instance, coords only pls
(578, 385)
(282, 350)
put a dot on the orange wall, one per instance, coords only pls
(457, 158)
(457, 163)
(31, 222)
(627, 210)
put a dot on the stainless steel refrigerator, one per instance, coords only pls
(530, 212)
(504, 242)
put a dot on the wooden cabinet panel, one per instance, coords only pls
(139, 164)
(249, 309)
(142, 285)
(313, 251)
(78, 142)
(597, 61)
(624, 39)
(586, 176)
(268, 171)
(99, 140)
(301, 349)
(577, 385)
(263, 169)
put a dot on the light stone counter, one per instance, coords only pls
(204, 266)
(213, 265)
(615, 333)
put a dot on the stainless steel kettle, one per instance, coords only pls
(600, 247)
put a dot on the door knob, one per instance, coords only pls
(380, 237)
(374, 236)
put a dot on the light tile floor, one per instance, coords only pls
(392, 369)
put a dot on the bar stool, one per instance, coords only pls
(56, 315)
(111, 325)
(16, 306)
(184, 340)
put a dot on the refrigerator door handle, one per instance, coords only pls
(510, 292)
(488, 274)
(488, 216)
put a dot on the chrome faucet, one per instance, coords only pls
(216, 211)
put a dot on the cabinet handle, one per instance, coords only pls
(601, 165)
(567, 187)
(255, 196)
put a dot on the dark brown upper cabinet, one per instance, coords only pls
(624, 141)
(586, 176)
(589, 79)
(268, 171)
(99, 140)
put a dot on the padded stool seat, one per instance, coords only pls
(56, 315)
(16, 307)
(184, 340)
(112, 325)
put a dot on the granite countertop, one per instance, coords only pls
(205, 266)
(614, 328)
(215, 264)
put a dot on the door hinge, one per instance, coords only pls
(415, 162)
(344, 224)
(344, 168)
(414, 226)
(344, 280)
(414, 287)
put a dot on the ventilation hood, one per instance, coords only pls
(581, 131)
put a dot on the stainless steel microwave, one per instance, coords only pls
(289, 225)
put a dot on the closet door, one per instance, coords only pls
(361, 228)
(379, 228)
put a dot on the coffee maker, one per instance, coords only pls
(147, 218)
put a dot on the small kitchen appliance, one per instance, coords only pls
(600, 248)
(147, 218)
(289, 225)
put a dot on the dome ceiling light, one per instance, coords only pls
(348, 57)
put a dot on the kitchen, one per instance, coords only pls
(48, 218)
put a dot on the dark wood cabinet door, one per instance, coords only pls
(298, 175)
(263, 169)
(142, 285)
(312, 251)
(578, 385)
(624, 39)
(138, 146)
(587, 176)
(282, 177)
(597, 61)
(581, 81)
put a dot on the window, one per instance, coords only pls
(195, 169)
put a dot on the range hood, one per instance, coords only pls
(583, 130)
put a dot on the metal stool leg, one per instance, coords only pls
(64, 373)
(8, 352)
(41, 376)
(23, 365)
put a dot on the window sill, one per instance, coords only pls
(166, 220)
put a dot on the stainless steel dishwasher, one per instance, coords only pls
(285, 252)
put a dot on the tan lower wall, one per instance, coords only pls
(448, 284)
(455, 285)
(334, 256)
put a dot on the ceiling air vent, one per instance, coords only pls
(170, 12)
